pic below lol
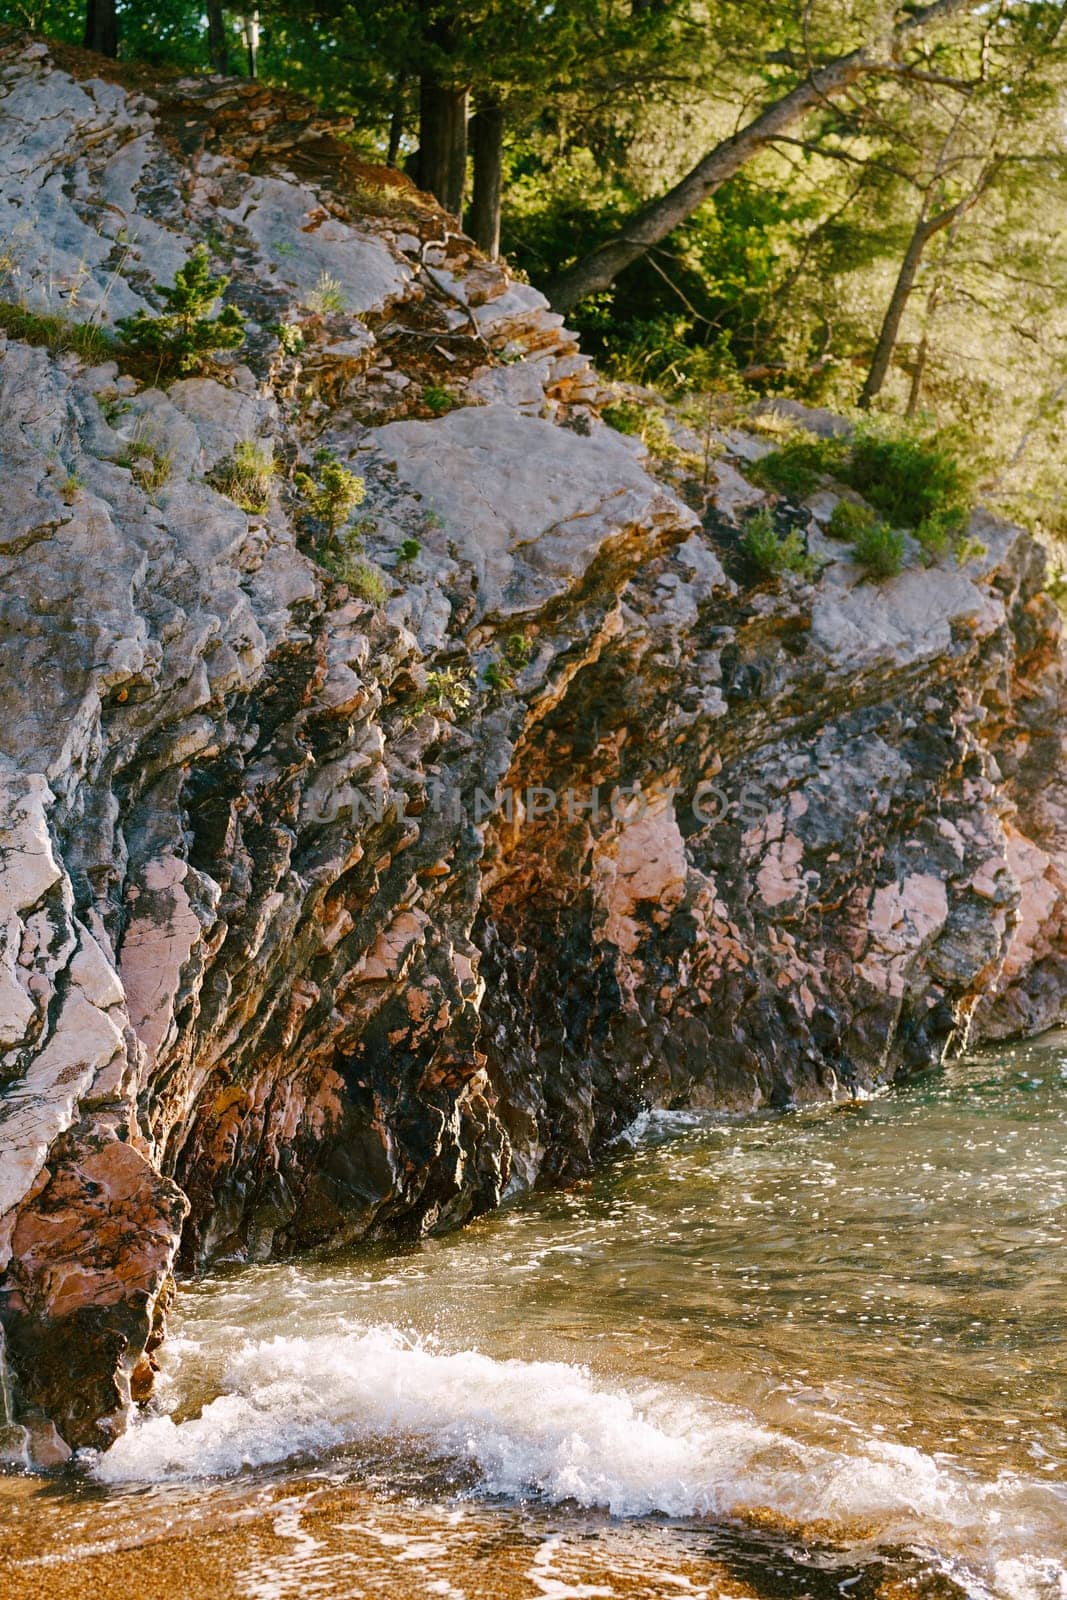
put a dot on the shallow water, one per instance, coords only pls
(805, 1354)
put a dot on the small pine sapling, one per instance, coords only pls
(180, 339)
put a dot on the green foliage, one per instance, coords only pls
(56, 333)
(408, 551)
(799, 466)
(517, 651)
(773, 554)
(915, 480)
(437, 399)
(625, 416)
(879, 549)
(290, 337)
(245, 475)
(688, 319)
(848, 520)
(966, 549)
(330, 492)
(181, 339)
(941, 530)
(448, 691)
(499, 676)
(909, 477)
(71, 487)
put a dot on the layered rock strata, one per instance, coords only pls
(333, 910)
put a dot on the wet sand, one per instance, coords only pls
(333, 1543)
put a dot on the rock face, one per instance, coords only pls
(336, 909)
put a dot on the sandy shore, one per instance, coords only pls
(304, 1540)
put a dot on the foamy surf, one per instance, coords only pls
(550, 1429)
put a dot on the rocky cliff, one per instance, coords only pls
(338, 904)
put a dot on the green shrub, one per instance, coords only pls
(408, 551)
(244, 476)
(799, 466)
(772, 554)
(626, 416)
(848, 520)
(180, 339)
(914, 480)
(879, 549)
(908, 478)
(330, 492)
(343, 559)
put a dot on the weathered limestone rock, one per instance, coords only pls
(325, 917)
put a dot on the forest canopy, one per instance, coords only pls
(847, 202)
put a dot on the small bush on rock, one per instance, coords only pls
(879, 549)
(448, 691)
(498, 675)
(848, 520)
(909, 478)
(517, 651)
(330, 492)
(799, 466)
(180, 339)
(290, 337)
(914, 480)
(774, 555)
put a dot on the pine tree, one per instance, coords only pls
(181, 337)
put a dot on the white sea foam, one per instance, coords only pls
(551, 1429)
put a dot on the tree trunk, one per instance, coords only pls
(101, 27)
(488, 129)
(654, 221)
(443, 142)
(217, 46)
(925, 229)
(251, 28)
(396, 119)
(442, 159)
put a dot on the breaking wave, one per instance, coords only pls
(552, 1430)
